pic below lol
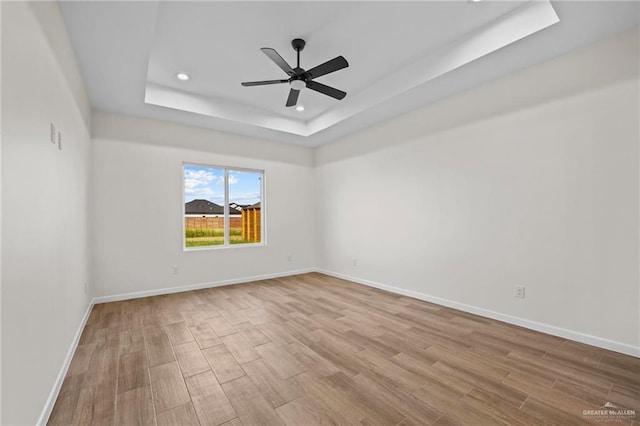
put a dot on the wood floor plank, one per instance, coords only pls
(179, 333)
(310, 360)
(372, 407)
(276, 390)
(169, 389)
(551, 414)
(487, 383)
(194, 318)
(221, 326)
(131, 340)
(96, 405)
(413, 408)
(276, 333)
(233, 316)
(191, 359)
(281, 361)
(342, 411)
(205, 336)
(247, 401)
(209, 400)
(132, 371)
(234, 422)
(312, 349)
(253, 335)
(303, 411)
(377, 363)
(183, 415)
(546, 394)
(103, 365)
(159, 350)
(135, 407)
(240, 348)
(222, 363)
(81, 359)
(500, 410)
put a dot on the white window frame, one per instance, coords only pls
(227, 244)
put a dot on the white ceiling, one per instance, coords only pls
(401, 55)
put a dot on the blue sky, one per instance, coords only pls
(202, 182)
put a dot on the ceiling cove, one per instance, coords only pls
(391, 49)
(402, 56)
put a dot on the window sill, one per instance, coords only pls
(223, 247)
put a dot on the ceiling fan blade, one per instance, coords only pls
(292, 100)
(275, 57)
(328, 67)
(326, 90)
(263, 83)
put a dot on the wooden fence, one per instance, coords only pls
(251, 225)
(250, 222)
(211, 222)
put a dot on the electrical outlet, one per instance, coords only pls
(518, 291)
(53, 136)
(289, 258)
(174, 270)
(59, 140)
(354, 262)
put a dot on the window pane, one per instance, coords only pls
(245, 215)
(203, 205)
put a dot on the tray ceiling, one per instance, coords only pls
(130, 53)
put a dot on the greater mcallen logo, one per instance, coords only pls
(609, 413)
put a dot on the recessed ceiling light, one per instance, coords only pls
(300, 108)
(182, 76)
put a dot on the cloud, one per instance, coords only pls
(199, 183)
(202, 182)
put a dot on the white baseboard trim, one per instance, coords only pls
(46, 411)
(533, 325)
(190, 287)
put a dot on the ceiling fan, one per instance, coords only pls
(300, 78)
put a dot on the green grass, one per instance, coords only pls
(203, 243)
(199, 233)
(212, 237)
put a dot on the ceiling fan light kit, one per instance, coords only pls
(300, 78)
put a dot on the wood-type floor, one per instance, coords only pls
(315, 350)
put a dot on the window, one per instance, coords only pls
(223, 206)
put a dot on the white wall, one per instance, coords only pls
(44, 205)
(138, 206)
(530, 180)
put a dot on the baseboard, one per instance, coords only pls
(46, 412)
(169, 290)
(533, 325)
